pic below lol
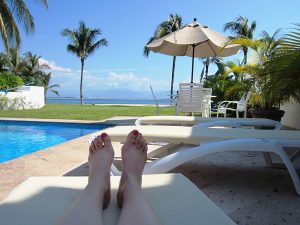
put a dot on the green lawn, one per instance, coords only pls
(85, 112)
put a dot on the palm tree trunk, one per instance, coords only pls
(245, 50)
(206, 68)
(81, 78)
(202, 74)
(173, 75)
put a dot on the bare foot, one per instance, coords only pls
(101, 156)
(134, 155)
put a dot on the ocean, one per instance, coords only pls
(92, 101)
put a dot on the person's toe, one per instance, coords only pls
(91, 148)
(141, 144)
(131, 137)
(98, 143)
(106, 140)
(144, 146)
(135, 132)
(138, 139)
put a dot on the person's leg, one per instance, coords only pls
(135, 207)
(88, 207)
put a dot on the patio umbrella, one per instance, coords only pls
(194, 40)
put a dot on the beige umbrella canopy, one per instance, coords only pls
(194, 40)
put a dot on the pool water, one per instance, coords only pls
(18, 138)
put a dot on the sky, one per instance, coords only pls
(120, 70)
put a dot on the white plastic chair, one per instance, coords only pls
(158, 106)
(237, 106)
(206, 96)
(190, 98)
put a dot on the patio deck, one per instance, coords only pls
(240, 183)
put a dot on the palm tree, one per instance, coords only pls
(83, 43)
(3, 62)
(271, 43)
(283, 68)
(45, 83)
(241, 29)
(166, 27)
(228, 83)
(32, 70)
(206, 62)
(12, 13)
(14, 62)
(267, 49)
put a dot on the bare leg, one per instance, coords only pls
(88, 208)
(135, 207)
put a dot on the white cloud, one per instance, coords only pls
(53, 66)
(94, 84)
(128, 81)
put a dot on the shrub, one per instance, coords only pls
(17, 103)
(236, 91)
(10, 81)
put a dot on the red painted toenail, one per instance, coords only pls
(135, 132)
(103, 135)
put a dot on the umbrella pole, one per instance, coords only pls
(192, 75)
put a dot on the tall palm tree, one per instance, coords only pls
(173, 23)
(241, 29)
(13, 12)
(83, 44)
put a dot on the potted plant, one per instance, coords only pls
(266, 106)
(279, 77)
(276, 73)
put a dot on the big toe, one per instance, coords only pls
(131, 138)
(106, 140)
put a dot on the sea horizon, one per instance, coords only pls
(99, 100)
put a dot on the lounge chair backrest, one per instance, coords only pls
(207, 92)
(158, 105)
(155, 99)
(206, 95)
(242, 104)
(190, 97)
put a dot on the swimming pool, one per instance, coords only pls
(18, 138)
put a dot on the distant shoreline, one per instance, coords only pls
(98, 101)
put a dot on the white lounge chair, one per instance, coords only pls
(206, 95)
(236, 106)
(206, 122)
(158, 105)
(202, 141)
(190, 98)
(260, 123)
(43, 200)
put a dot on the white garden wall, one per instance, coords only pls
(33, 97)
(292, 114)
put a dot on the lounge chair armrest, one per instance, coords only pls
(227, 103)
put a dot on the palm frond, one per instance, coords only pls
(9, 27)
(254, 44)
(146, 51)
(23, 15)
(91, 49)
(43, 3)
(55, 92)
(54, 86)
